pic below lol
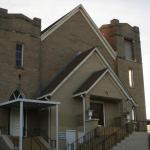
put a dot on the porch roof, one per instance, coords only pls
(28, 103)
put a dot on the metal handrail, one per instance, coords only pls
(108, 138)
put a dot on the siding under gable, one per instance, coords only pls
(106, 87)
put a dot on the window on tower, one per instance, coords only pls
(19, 55)
(129, 55)
(131, 80)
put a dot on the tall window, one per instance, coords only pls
(131, 80)
(129, 55)
(133, 114)
(19, 55)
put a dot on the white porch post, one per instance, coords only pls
(21, 127)
(56, 126)
(49, 123)
(83, 98)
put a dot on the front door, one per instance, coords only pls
(14, 122)
(97, 112)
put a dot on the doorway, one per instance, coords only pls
(15, 122)
(98, 112)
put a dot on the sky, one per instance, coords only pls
(134, 12)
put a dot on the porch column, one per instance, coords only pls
(49, 123)
(21, 127)
(56, 126)
(84, 109)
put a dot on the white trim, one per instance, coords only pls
(21, 127)
(49, 123)
(84, 109)
(46, 95)
(91, 24)
(98, 33)
(40, 101)
(8, 102)
(57, 130)
(29, 101)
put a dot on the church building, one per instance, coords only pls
(61, 83)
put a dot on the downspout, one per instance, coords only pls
(83, 98)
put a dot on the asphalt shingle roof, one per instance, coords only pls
(90, 81)
(66, 71)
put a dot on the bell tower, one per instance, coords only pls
(125, 40)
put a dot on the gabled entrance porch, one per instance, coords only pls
(18, 124)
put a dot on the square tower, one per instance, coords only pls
(125, 40)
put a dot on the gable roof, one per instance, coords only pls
(45, 33)
(66, 71)
(90, 82)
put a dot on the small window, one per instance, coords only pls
(131, 81)
(129, 50)
(19, 55)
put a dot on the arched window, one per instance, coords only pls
(17, 94)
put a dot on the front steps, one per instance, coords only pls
(135, 141)
(35, 143)
(131, 136)
(6, 143)
(29, 143)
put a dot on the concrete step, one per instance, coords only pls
(35, 143)
(6, 143)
